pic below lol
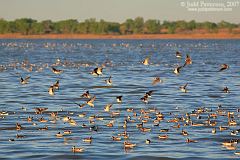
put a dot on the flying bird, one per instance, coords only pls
(56, 71)
(25, 80)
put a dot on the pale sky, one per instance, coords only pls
(110, 10)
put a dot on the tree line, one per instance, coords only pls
(28, 26)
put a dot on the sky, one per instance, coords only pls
(112, 10)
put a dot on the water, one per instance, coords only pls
(131, 79)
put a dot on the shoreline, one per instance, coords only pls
(133, 36)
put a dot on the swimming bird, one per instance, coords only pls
(184, 88)
(156, 80)
(109, 80)
(56, 71)
(97, 71)
(59, 134)
(188, 60)
(88, 139)
(129, 145)
(86, 95)
(115, 138)
(51, 90)
(149, 93)
(119, 99)
(148, 141)
(190, 141)
(223, 67)
(90, 102)
(77, 149)
(177, 69)
(25, 80)
(178, 54)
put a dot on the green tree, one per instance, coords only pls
(138, 25)
(24, 25)
(152, 26)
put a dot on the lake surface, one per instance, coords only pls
(131, 79)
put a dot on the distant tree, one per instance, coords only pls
(3, 26)
(24, 25)
(48, 26)
(152, 26)
(138, 25)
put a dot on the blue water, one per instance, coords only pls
(131, 79)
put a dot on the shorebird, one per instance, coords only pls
(97, 71)
(148, 141)
(56, 71)
(86, 95)
(178, 54)
(51, 90)
(119, 99)
(107, 107)
(56, 85)
(90, 102)
(184, 88)
(226, 90)
(177, 69)
(188, 60)
(25, 80)
(156, 80)
(88, 139)
(224, 67)
(40, 110)
(77, 149)
(146, 61)
(190, 141)
(129, 145)
(109, 80)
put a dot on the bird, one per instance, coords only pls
(226, 90)
(184, 88)
(177, 69)
(56, 71)
(129, 145)
(59, 134)
(190, 141)
(40, 110)
(86, 95)
(156, 80)
(149, 93)
(77, 149)
(188, 60)
(178, 54)
(90, 102)
(56, 85)
(88, 139)
(115, 138)
(109, 80)
(146, 61)
(223, 67)
(144, 99)
(119, 99)
(51, 90)
(107, 107)
(97, 71)
(25, 80)
(148, 141)
(184, 133)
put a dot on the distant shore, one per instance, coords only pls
(132, 36)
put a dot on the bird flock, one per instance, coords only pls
(144, 120)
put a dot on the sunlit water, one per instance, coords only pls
(131, 79)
